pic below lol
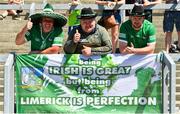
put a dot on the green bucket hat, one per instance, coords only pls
(48, 11)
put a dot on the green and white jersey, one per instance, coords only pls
(141, 38)
(41, 41)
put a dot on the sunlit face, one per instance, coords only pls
(47, 24)
(88, 24)
(137, 21)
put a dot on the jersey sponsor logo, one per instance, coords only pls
(37, 39)
(144, 38)
(50, 39)
(132, 36)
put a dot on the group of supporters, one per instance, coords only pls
(137, 35)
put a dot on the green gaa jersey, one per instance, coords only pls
(41, 41)
(141, 38)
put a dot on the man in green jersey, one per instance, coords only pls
(44, 30)
(137, 35)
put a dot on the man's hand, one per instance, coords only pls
(109, 3)
(20, 37)
(146, 3)
(74, 3)
(77, 37)
(17, 1)
(29, 24)
(130, 50)
(86, 51)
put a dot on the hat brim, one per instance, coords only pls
(137, 14)
(86, 16)
(60, 20)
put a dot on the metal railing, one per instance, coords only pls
(9, 84)
(161, 6)
(169, 84)
(32, 7)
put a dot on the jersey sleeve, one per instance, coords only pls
(122, 34)
(152, 35)
(28, 36)
(58, 41)
(31, 33)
